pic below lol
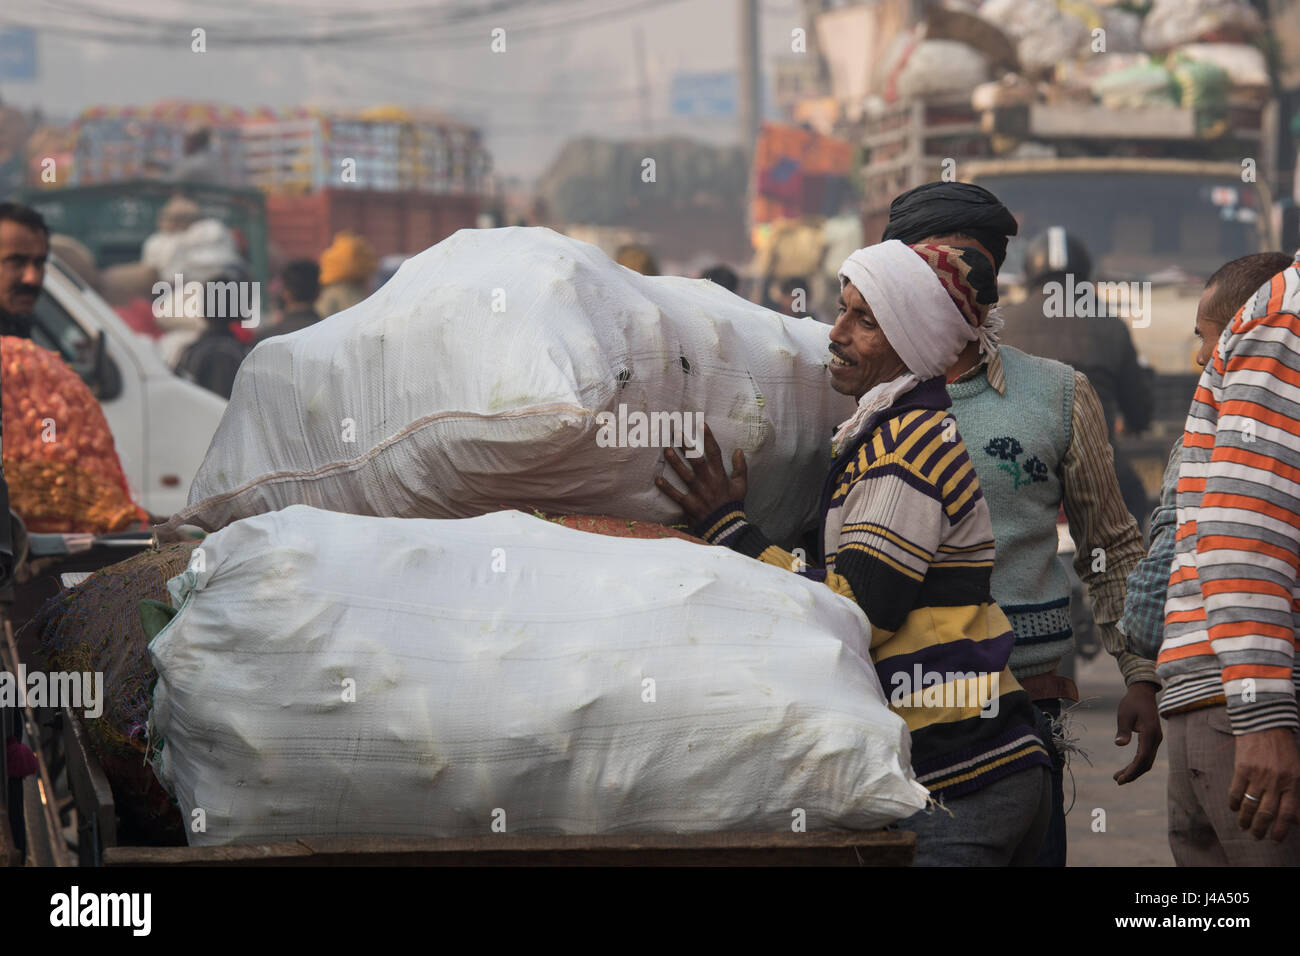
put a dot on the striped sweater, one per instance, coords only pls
(1234, 591)
(906, 534)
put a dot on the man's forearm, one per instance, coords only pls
(1108, 544)
(730, 528)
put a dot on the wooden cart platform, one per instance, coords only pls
(865, 848)
(90, 798)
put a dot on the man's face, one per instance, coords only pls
(1209, 326)
(863, 357)
(23, 252)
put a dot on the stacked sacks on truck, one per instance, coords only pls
(519, 368)
(338, 675)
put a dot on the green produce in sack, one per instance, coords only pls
(1204, 87)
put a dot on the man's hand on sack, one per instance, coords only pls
(1267, 770)
(1137, 712)
(708, 487)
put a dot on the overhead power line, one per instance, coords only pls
(429, 34)
(426, 16)
(494, 98)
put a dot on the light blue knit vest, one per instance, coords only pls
(1017, 443)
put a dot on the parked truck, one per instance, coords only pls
(113, 220)
(395, 223)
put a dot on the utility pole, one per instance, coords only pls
(811, 9)
(749, 86)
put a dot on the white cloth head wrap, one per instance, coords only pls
(915, 312)
(918, 317)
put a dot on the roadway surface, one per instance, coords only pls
(1135, 817)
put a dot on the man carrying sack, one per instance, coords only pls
(907, 536)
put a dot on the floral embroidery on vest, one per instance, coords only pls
(1007, 450)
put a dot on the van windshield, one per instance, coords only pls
(1158, 227)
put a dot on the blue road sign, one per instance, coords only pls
(704, 94)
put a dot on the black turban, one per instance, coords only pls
(938, 209)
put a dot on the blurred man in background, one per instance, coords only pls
(174, 219)
(792, 297)
(346, 268)
(1098, 345)
(637, 258)
(213, 359)
(300, 281)
(198, 163)
(24, 249)
(722, 275)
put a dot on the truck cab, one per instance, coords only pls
(1167, 222)
(161, 424)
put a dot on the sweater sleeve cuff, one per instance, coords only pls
(730, 528)
(1136, 669)
(723, 524)
(1262, 715)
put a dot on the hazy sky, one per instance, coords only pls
(554, 80)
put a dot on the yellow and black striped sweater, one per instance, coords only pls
(907, 535)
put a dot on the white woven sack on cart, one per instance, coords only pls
(336, 675)
(476, 379)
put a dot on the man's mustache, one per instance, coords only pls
(32, 290)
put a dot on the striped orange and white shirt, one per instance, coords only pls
(1234, 586)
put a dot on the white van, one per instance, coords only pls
(162, 425)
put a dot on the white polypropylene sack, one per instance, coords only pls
(1045, 33)
(1244, 64)
(473, 380)
(941, 66)
(203, 252)
(507, 669)
(1123, 31)
(1171, 23)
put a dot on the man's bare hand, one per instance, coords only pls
(708, 487)
(1267, 768)
(1137, 712)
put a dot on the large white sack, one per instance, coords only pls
(473, 379)
(1171, 23)
(1244, 64)
(501, 663)
(941, 66)
(1045, 32)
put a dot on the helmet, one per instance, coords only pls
(1056, 252)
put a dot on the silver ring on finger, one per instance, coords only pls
(1251, 799)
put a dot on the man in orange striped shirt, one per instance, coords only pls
(1233, 606)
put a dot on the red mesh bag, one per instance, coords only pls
(59, 458)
